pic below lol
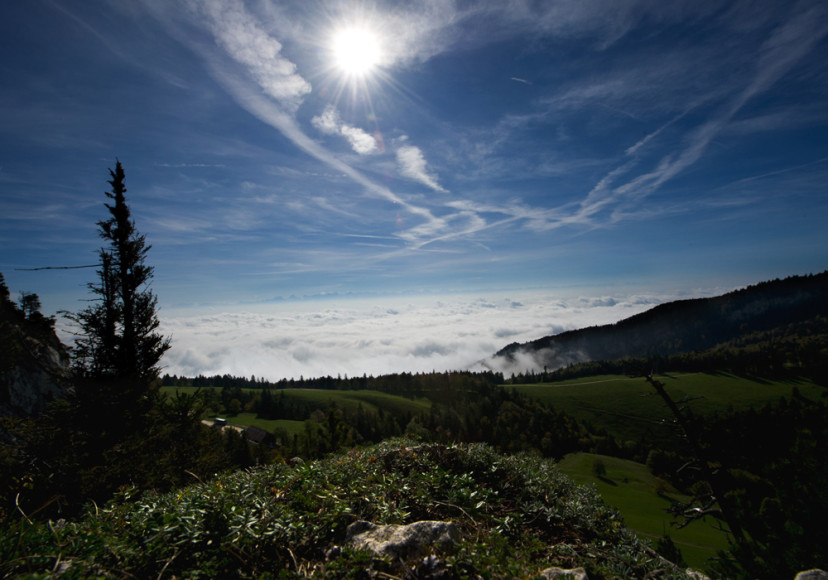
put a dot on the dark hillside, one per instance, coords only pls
(680, 326)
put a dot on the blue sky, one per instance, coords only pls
(550, 151)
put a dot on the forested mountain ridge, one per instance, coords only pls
(678, 327)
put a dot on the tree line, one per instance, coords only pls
(404, 384)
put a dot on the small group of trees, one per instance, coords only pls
(25, 313)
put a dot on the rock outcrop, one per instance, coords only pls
(33, 362)
(570, 573)
(26, 388)
(815, 574)
(410, 541)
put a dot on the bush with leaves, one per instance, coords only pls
(517, 515)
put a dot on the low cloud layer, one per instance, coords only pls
(351, 337)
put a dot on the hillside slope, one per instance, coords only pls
(676, 327)
(643, 500)
(509, 517)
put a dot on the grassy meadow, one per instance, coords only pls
(628, 408)
(631, 489)
(348, 401)
(289, 426)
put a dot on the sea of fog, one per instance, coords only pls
(352, 337)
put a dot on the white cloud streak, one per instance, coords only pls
(785, 47)
(330, 123)
(413, 165)
(237, 32)
(279, 91)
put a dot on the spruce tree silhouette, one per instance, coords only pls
(119, 347)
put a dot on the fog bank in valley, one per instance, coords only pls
(374, 337)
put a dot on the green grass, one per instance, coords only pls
(630, 409)
(250, 419)
(348, 401)
(351, 400)
(632, 490)
(182, 390)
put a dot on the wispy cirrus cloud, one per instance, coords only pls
(330, 123)
(413, 165)
(276, 92)
(784, 47)
(243, 39)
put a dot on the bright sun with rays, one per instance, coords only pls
(356, 51)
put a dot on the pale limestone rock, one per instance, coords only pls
(815, 574)
(571, 573)
(412, 540)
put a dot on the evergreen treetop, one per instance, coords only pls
(119, 337)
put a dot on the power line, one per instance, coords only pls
(55, 268)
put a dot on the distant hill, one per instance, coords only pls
(677, 327)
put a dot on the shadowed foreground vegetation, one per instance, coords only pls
(517, 515)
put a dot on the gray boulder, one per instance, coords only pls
(573, 573)
(410, 541)
(815, 574)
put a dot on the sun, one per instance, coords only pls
(356, 51)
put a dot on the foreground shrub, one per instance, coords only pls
(516, 515)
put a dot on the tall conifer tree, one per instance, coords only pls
(140, 347)
(119, 346)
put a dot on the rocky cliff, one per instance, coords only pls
(33, 361)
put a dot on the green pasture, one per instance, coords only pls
(632, 490)
(183, 390)
(346, 400)
(630, 409)
(351, 400)
(291, 427)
